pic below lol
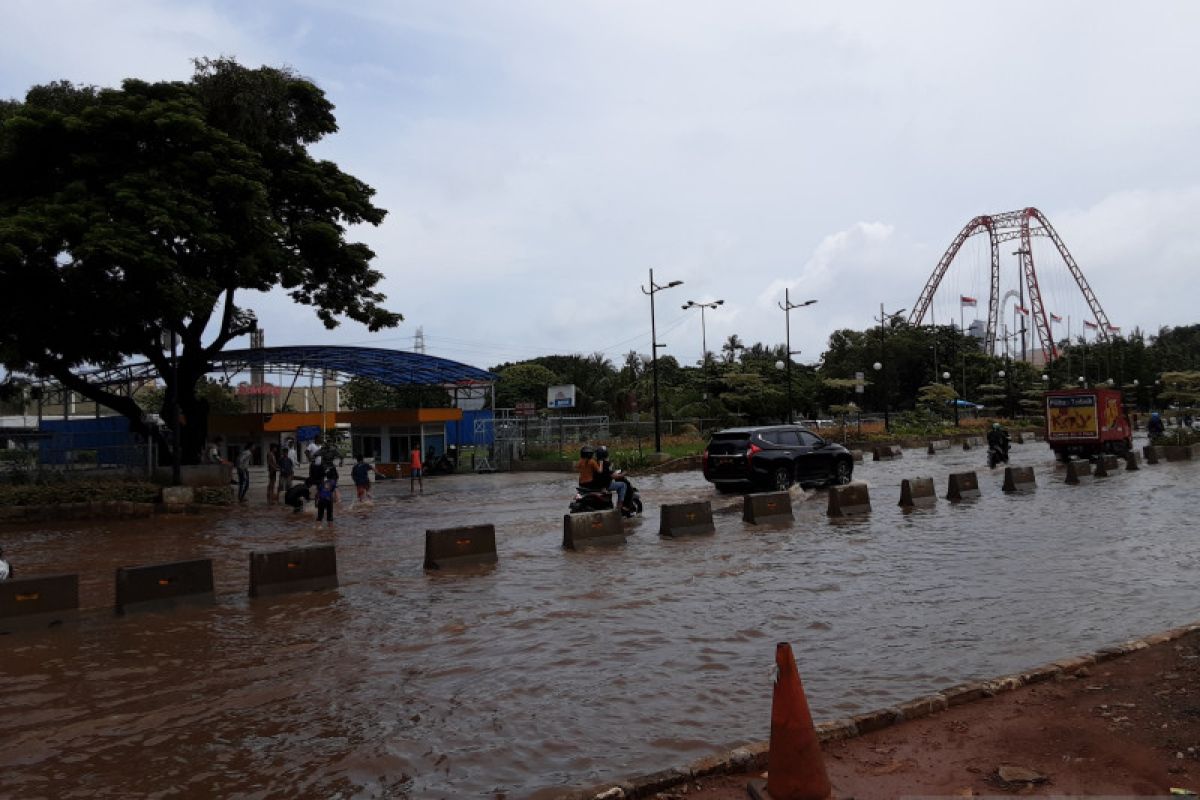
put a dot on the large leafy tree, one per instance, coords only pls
(133, 212)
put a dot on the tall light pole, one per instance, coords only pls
(654, 345)
(703, 335)
(884, 317)
(787, 305)
(175, 470)
(946, 378)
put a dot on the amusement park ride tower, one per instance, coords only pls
(1015, 225)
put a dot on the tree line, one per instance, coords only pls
(921, 367)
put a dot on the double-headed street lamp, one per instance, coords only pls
(787, 305)
(703, 335)
(654, 345)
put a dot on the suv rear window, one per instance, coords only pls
(786, 438)
(731, 437)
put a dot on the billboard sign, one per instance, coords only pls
(1071, 417)
(525, 408)
(561, 396)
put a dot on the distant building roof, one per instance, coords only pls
(390, 367)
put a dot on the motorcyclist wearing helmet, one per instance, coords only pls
(998, 438)
(605, 479)
(1155, 426)
(587, 466)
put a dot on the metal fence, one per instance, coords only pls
(29, 454)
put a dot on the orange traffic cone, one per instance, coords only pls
(795, 768)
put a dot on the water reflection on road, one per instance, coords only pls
(560, 668)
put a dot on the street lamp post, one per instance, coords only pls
(787, 305)
(703, 335)
(175, 470)
(1003, 374)
(654, 345)
(884, 317)
(878, 367)
(946, 378)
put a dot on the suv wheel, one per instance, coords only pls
(842, 470)
(781, 479)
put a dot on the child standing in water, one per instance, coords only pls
(327, 495)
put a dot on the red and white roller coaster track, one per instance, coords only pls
(1006, 227)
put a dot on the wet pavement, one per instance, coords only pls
(558, 668)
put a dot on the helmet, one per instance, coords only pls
(1154, 415)
(586, 451)
(995, 426)
(601, 452)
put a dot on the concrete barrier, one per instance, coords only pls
(159, 586)
(686, 519)
(962, 486)
(1017, 437)
(1131, 461)
(972, 442)
(299, 570)
(917, 493)
(1105, 465)
(1177, 452)
(197, 475)
(460, 547)
(857, 455)
(1019, 479)
(592, 528)
(767, 507)
(849, 500)
(938, 444)
(1153, 453)
(886, 452)
(1079, 470)
(37, 602)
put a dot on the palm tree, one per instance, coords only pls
(729, 350)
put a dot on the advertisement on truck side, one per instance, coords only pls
(1071, 418)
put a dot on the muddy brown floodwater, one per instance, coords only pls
(556, 668)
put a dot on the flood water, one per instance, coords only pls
(557, 668)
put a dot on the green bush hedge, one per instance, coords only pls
(77, 492)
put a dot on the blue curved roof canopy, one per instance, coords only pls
(391, 367)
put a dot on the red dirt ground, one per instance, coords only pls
(1129, 726)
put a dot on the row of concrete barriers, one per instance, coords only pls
(39, 602)
(47, 600)
(920, 493)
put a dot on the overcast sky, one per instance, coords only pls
(538, 158)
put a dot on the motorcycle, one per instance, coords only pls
(996, 455)
(589, 499)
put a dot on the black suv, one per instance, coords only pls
(774, 457)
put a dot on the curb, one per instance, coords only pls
(754, 756)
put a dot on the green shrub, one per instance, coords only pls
(1178, 436)
(48, 494)
(19, 458)
(214, 495)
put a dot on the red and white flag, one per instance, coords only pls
(1022, 311)
(1091, 325)
(1055, 318)
(966, 301)
(1114, 328)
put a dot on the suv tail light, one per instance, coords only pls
(750, 453)
(704, 460)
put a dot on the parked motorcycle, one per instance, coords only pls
(588, 499)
